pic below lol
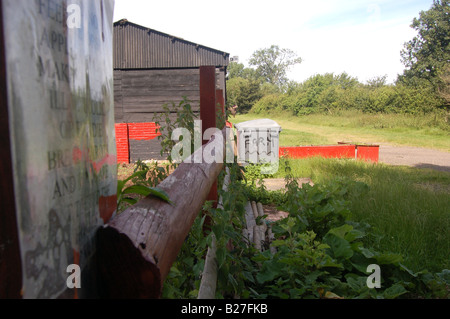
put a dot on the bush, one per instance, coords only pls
(243, 93)
(268, 103)
(328, 94)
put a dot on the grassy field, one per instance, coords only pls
(429, 131)
(408, 207)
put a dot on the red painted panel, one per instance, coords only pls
(143, 131)
(122, 144)
(368, 152)
(328, 151)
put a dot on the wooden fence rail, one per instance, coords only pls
(136, 249)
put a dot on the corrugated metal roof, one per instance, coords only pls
(138, 47)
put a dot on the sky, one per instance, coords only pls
(360, 37)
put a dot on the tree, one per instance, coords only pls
(444, 89)
(238, 70)
(273, 63)
(377, 82)
(427, 55)
(243, 93)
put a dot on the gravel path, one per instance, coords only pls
(415, 156)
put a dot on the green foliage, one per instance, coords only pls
(145, 178)
(183, 280)
(320, 249)
(238, 70)
(273, 63)
(233, 254)
(255, 190)
(243, 93)
(428, 54)
(320, 253)
(140, 184)
(185, 117)
(406, 206)
(330, 93)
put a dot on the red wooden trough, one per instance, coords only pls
(342, 150)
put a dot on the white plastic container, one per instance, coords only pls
(258, 143)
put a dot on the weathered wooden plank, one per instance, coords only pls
(271, 238)
(150, 109)
(144, 117)
(208, 283)
(164, 97)
(118, 98)
(263, 226)
(167, 85)
(147, 79)
(150, 77)
(146, 150)
(256, 238)
(143, 91)
(162, 72)
(148, 90)
(137, 247)
(250, 221)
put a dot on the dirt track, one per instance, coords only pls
(415, 156)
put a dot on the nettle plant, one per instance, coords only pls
(321, 252)
(166, 124)
(147, 176)
(233, 252)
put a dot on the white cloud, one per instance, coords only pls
(360, 37)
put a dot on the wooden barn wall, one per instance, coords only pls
(148, 149)
(145, 150)
(144, 92)
(139, 94)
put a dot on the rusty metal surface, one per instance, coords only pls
(138, 47)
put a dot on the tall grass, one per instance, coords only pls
(427, 130)
(408, 207)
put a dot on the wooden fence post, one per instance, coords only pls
(137, 248)
(220, 107)
(208, 118)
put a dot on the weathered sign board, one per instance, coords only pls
(59, 78)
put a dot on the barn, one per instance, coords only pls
(152, 68)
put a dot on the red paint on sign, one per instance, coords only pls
(106, 206)
(76, 261)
